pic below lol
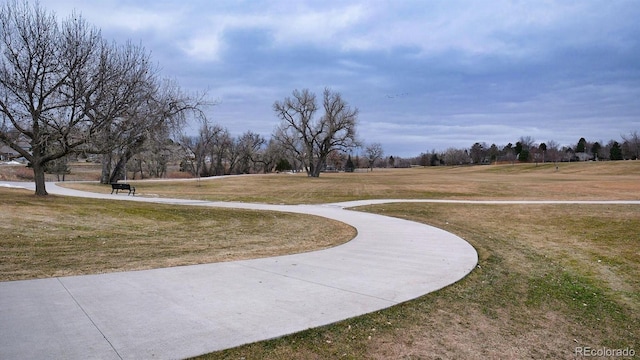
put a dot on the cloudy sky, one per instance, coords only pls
(424, 74)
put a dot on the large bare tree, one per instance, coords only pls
(49, 79)
(65, 90)
(160, 108)
(313, 138)
(206, 151)
(373, 152)
(631, 145)
(251, 150)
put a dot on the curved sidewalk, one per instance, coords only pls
(190, 310)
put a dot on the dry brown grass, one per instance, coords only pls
(58, 236)
(573, 181)
(550, 278)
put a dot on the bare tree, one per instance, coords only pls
(373, 152)
(313, 139)
(156, 154)
(47, 71)
(455, 156)
(527, 142)
(221, 153)
(631, 145)
(202, 150)
(160, 108)
(335, 160)
(250, 148)
(65, 90)
(552, 151)
(268, 156)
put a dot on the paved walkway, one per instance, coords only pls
(190, 310)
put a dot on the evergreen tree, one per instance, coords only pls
(349, 166)
(283, 165)
(434, 160)
(518, 149)
(582, 145)
(615, 153)
(595, 149)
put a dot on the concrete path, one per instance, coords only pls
(190, 310)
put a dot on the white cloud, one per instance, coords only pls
(137, 19)
(205, 47)
(317, 27)
(111, 14)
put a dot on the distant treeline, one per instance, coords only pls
(526, 149)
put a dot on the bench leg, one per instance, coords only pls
(112, 191)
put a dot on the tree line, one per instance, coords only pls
(67, 93)
(526, 149)
(312, 135)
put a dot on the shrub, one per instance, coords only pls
(24, 173)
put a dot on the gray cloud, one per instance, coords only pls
(424, 74)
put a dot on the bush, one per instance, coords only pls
(24, 173)
(283, 165)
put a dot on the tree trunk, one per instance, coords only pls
(311, 169)
(118, 170)
(121, 166)
(141, 169)
(106, 168)
(317, 167)
(38, 174)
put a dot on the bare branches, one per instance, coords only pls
(313, 140)
(67, 90)
(373, 152)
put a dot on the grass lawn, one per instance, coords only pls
(59, 236)
(550, 277)
(574, 181)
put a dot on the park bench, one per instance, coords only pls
(115, 187)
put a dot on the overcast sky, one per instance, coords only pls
(424, 74)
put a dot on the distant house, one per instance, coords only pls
(7, 153)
